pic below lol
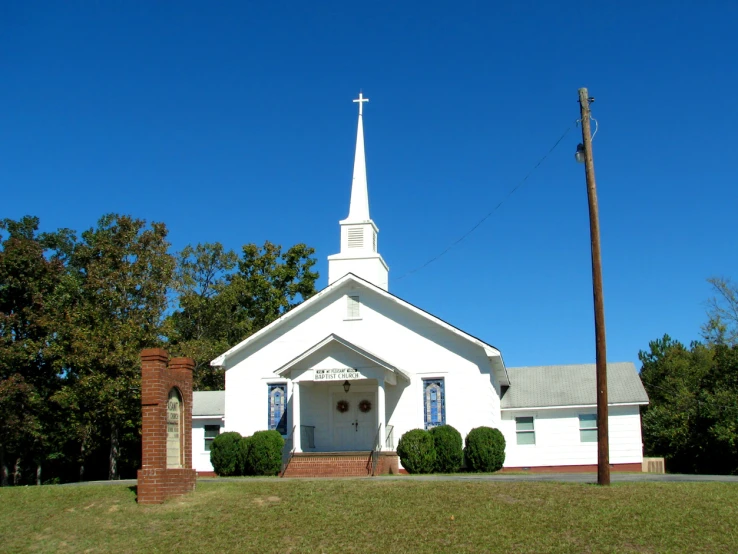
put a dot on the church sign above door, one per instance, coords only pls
(340, 374)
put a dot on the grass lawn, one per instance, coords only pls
(376, 516)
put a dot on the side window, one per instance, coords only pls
(278, 408)
(524, 430)
(588, 427)
(211, 431)
(434, 403)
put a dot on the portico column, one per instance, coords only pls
(381, 413)
(296, 416)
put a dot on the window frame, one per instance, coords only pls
(525, 432)
(283, 419)
(208, 441)
(353, 306)
(427, 410)
(590, 418)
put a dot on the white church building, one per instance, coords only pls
(351, 369)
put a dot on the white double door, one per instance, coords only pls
(354, 429)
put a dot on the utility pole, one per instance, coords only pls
(603, 443)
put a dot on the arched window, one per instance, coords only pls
(174, 429)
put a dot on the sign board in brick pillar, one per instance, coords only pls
(166, 427)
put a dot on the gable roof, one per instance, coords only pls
(489, 350)
(333, 338)
(572, 385)
(208, 403)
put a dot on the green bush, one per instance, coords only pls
(485, 449)
(449, 449)
(264, 453)
(417, 451)
(226, 454)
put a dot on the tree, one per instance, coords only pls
(31, 270)
(201, 327)
(117, 295)
(223, 300)
(693, 393)
(269, 283)
(722, 324)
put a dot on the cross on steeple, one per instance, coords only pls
(361, 101)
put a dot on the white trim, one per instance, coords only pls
(573, 406)
(489, 350)
(220, 417)
(376, 360)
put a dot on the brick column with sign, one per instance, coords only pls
(166, 427)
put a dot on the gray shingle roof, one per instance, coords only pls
(208, 403)
(571, 385)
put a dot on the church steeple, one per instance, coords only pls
(358, 232)
(359, 207)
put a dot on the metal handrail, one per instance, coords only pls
(389, 442)
(288, 450)
(307, 436)
(377, 448)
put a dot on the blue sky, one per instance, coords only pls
(233, 122)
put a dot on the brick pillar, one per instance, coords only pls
(156, 481)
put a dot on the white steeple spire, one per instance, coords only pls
(359, 208)
(358, 232)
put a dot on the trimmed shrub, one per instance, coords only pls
(449, 449)
(264, 453)
(243, 450)
(485, 449)
(225, 454)
(417, 451)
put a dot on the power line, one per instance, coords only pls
(474, 228)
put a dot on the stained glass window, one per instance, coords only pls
(434, 403)
(278, 407)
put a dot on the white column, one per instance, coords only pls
(296, 416)
(381, 413)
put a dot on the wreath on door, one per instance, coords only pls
(342, 406)
(365, 406)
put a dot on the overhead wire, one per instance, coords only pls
(486, 217)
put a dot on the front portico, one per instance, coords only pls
(325, 416)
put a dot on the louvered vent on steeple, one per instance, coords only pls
(356, 237)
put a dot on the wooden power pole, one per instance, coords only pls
(603, 444)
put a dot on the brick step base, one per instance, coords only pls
(339, 464)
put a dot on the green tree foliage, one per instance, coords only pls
(31, 270)
(692, 418)
(223, 300)
(202, 327)
(75, 313)
(116, 296)
(485, 449)
(269, 283)
(417, 451)
(449, 448)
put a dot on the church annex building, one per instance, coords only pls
(353, 368)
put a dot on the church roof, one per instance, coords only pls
(208, 403)
(571, 385)
(491, 352)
